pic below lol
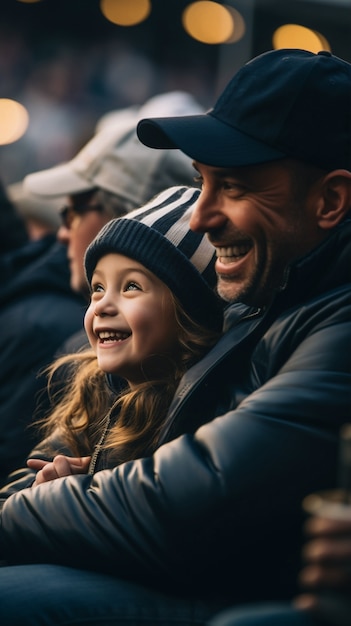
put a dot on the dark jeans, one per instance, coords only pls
(44, 595)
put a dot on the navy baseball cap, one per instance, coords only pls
(283, 103)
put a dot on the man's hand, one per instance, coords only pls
(60, 466)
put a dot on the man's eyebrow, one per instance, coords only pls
(221, 172)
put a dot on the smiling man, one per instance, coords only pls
(255, 218)
(214, 517)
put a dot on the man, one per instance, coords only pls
(213, 518)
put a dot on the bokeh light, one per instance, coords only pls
(296, 36)
(14, 120)
(208, 22)
(239, 25)
(125, 12)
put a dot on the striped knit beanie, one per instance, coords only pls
(158, 236)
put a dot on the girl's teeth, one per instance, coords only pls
(112, 336)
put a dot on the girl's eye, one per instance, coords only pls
(132, 286)
(96, 288)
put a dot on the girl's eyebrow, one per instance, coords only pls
(99, 272)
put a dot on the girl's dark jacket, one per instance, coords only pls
(216, 512)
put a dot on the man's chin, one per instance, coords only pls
(228, 291)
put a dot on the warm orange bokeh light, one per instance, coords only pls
(14, 120)
(296, 36)
(208, 22)
(125, 12)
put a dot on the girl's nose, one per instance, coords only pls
(106, 306)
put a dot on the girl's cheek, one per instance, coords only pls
(88, 320)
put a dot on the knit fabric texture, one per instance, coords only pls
(158, 236)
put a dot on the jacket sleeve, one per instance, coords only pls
(230, 493)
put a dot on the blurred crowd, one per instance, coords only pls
(66, 87)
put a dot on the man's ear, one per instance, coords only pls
(335, 199)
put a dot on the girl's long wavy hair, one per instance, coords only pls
(81, 411)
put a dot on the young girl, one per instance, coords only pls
(153, 314)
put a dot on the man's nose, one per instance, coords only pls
(207, 214)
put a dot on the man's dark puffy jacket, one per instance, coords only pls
(216, 512)
(38, 311)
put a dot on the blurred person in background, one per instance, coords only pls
(41, 216)
(13, 231)
(38, 311)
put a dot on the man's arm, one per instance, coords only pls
(222, 495)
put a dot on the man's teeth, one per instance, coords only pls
(232, 252)
(105, 335)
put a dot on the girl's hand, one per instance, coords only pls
(60, 466)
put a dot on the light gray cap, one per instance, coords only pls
(116, 161)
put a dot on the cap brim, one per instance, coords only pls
(60, 180)
(206, 140)
(31, 205)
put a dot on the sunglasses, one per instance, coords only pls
(69, 214)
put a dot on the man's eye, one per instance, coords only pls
(233, 187)
(132, 286)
